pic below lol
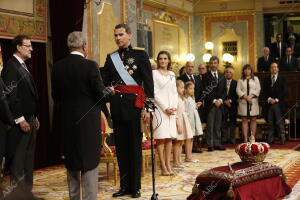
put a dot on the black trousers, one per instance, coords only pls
(275, 121)
(213, 131)
(21, 167)
(228, 125)
(2, 140)
(128, 140)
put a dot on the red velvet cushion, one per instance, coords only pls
(113, 149)
(243, 173)
(146, 145)
(266, 189)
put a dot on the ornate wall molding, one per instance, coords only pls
(35, 25)
(230, 17)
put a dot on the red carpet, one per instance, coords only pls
(292, 144)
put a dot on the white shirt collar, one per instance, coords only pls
(77, 53)
(19, 59)
(275, 76)
(213, 73)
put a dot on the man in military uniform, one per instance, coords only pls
(129, 71)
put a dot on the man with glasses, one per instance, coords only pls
(23, 98)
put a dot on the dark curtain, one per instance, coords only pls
(38, 69)
(65, 16)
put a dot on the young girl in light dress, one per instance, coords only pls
(194, 119)
(184, 130)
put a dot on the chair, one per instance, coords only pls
(108, 153)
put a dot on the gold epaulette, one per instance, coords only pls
(138, 48)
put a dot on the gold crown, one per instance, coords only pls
(252, 152)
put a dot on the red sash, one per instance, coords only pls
(133, 89)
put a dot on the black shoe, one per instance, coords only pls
(197, 150)
(220, 148)
(121, 192)
(270, 142)
(210, 149)
(37, 198)
(136, 194)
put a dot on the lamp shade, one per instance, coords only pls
(228, 57)
(206, 57)
(209, 45)
(190, 57)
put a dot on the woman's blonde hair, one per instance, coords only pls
(186, 85)
(179, 82)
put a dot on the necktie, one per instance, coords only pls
(215, 76)
(279, 49)
(192, 78)
(273, 80)
(25, 67)
(228, 86)
(266, 59)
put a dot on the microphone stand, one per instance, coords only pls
(150, 107)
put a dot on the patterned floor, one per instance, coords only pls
(50, 183)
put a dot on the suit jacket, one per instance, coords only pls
(122, 106)
(198, 85)
(213, 90)
(23, 99)
(263, 65)
(231, 95)
(77, 85)
(278, 91)
(296, 49)
(275, 51)
(292, 66)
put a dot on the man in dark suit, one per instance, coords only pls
(294, 46)
(2, 133)
(230, 108)
(77, 85)
(215, 93)
(263, 63)
(189, 76)
(274, 92)
(288, 62)
(23, 98)
(129, 70)
(278, 48)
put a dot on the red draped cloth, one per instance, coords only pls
(265, 189)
